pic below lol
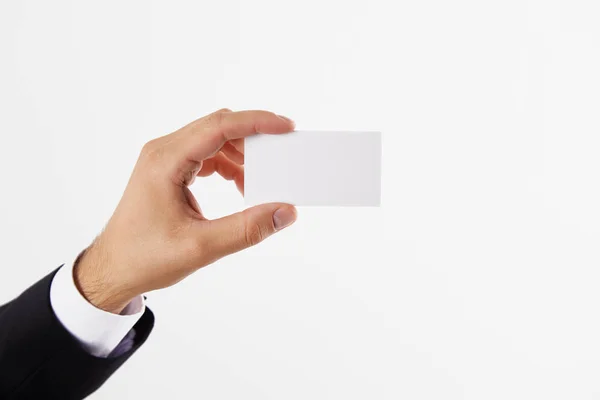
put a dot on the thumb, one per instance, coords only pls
(249, 227)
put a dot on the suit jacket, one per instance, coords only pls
(39, 359)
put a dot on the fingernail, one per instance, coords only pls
(284, 216)
(287, 119)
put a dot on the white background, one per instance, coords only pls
(478, 278)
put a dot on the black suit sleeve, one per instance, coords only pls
(40, 359)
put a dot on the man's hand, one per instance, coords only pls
(158, 235)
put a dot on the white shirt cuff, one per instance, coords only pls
(97, 330)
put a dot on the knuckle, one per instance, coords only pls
(148, 146)
(215, 119)
(254, 234)
(214, 125)
(152, 149)
(219, 119)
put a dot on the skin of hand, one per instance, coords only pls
(157, 235)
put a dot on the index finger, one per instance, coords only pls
(203, 138)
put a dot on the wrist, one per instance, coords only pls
(98, 280)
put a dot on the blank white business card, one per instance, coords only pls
(314, 168)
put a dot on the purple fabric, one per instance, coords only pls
(125, 345)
